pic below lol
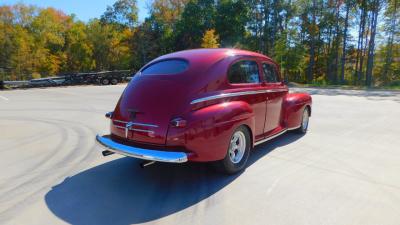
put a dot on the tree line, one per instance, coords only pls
(354, 42)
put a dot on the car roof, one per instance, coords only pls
(211, 54)
(207, 70)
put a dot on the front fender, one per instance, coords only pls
(210, 128)
(294, 105)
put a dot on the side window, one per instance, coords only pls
(269, 72)
(245, 71)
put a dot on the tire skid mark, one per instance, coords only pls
(56, 148)
(81, 144)
(36, 195)
(25, 141)
(7, 214)
(4, 98)
(41, 163)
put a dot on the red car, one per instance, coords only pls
(204, 105)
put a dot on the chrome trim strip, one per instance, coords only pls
(134, 129)
(138, 124)
(141, 153)
(227, 95)
(277, 90)
(120, 121)
(294, 128)
(234, 94)
(141, 130)
(270, 137)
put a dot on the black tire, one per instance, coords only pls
(105, 81)
(304, 125)
(227, 165)
(114, 81)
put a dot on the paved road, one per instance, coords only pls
(346, 170)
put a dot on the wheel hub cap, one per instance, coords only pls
(237, 147)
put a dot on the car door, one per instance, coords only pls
(276, 91)
(244, 76)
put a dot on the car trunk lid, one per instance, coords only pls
(147, 106)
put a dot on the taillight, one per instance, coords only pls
(178, 122)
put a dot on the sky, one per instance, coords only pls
(83, 9)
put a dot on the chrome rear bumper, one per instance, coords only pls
(141, 153)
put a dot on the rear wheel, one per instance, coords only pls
(105, 81)
(238, 152)
(114, 81)
(304, 121)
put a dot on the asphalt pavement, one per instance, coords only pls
(345, 170)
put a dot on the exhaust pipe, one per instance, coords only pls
(106, 153)
(147, 163)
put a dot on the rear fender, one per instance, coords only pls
(210, 128)
(294, 105)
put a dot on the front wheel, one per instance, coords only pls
(238, 152)
(304, 122)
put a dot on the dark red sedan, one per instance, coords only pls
(204, 105)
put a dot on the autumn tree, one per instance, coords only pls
(122, 12)
(392, 30)
(348, 6)
(78, 49)
(197, 17)
(210, 39)
(230, 21)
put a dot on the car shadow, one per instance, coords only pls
(120, 192)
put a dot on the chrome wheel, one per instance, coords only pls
(237, 146)
(237, 153)
(304, 122)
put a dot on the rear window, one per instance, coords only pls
(172, 66)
